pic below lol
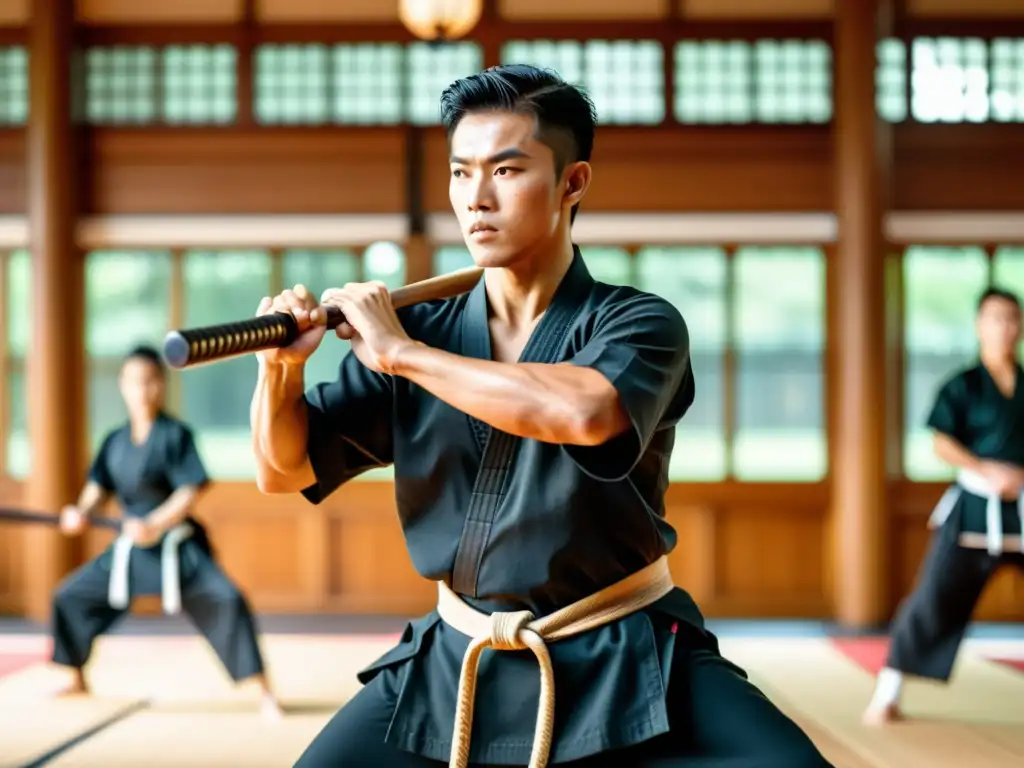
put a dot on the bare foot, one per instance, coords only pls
(878, 716)
(270, 709)
(77, 686)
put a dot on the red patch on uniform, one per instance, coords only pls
(675, 627)
(1017, 664)
(14, 662)
(868, 653)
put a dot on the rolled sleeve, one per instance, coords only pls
(642, 348)
(186, 466)
(949, 409)
(349, 422)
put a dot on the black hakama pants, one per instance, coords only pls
(218, 609)
(718, 719)
(930, 624)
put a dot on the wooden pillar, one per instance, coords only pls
(55, 369)
(860, 523)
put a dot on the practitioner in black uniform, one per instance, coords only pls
(978, 422)
(530, 425)
(152, 468)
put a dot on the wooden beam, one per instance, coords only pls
(55, 371)
(858, 478)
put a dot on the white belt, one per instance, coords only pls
(170, 585)
(977, 484)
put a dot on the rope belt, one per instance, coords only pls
(977, 484)
(519, 630)
(170, 572)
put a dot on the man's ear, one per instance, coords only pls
(577, 182)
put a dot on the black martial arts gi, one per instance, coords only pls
(517, 524)
(91, 599)
(976, 532)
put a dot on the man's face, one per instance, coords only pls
(142, 387)
(503, 187)
(998, 326)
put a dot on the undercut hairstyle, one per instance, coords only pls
(998, 293)
(565, 115)
(149, 355)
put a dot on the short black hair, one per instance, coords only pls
(998, 293)
(565, 115)
(147, 353)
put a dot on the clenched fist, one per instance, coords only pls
(299, 303)
(72, 521)
(371, 325)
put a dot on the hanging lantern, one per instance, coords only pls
(440, 20)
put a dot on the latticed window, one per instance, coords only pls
(766, 81)
(357, 83)
(13, 85)
(178, 84)
(1007, 76)
(624, 78)
(430, 69)
(949, 80)
(891, 80)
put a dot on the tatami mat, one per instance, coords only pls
(166, 702)
(977, 720)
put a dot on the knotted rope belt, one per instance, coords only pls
(118, 593)
(518, 630)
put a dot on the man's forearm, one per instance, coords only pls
(553, 403)
(954, 454)
(174, 509)
(278, 418)
(91, 498)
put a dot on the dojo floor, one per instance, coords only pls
(161, 699)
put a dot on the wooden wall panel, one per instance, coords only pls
(12, 552)
(177, 171)
(12, 172)
(361, 170)
(959, 167)
(743, 551)
(675, 169)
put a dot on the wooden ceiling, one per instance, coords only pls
(156, 12)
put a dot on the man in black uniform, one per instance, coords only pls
(978, 421)
(151, 466)
(530, 424)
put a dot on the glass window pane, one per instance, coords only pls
(13, 85)
(714, 82)
(18, 302)
(292, 84)
(1007, 70)
(368, 83)
(222, 286)
(121, 84)
(18, 457)
(318, 271)
(127, 302)
(18, 318)
(694, 280)
(949, 80)
(385, 262)
(779, 315)
(432, 68)
(941, 288)
(608, 264)
(891, 80)
(199, 84)
(450, 258)
(624, 78)
(769, 81)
